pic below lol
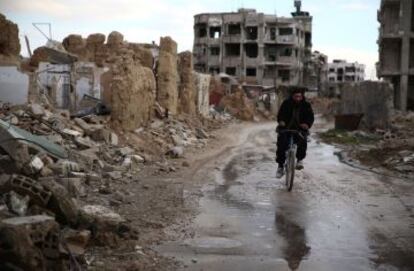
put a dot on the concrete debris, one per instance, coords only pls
(66, 157)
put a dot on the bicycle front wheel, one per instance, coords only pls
(290, 169)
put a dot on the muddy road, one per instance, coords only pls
(336, 218)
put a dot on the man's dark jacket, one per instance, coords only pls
(304, 113)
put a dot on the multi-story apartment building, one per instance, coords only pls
(396, 49)
(341, 71)
(254, 47)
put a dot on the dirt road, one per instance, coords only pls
(336, 218)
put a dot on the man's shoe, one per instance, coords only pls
(280, 172)
(299, 165)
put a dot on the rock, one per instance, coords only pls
(186, 164)
(36, 165)
(125, 151)
(201, 134)
(84, 143)
(16, 203)
(73, 186)
(115, 175)
(37, 110)
(137, 159)
(102, 213)
(71, 133)
(176, 152)
(114, 139)
(76, 241)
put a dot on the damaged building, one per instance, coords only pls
(341, 72)
(256, 48)
(396, 49)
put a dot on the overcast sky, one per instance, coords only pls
(346, 29)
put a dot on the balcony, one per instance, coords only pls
(287, 39)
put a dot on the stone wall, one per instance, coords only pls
(167, 81)
(9, 38)
(186, 90)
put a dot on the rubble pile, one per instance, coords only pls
(52, 164)
(9, 38)
(238, 105)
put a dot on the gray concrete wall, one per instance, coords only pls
(14, 85)
(373, 99)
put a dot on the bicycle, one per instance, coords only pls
(290, 163)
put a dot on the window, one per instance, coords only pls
(231, 71)
(284, 75)
(273, 33)
(251, 72)
(233, 49)
(285, 31)
(214, 70)
(349, 69)
(215, 32)
(200, 68)
(234, 29)
(331, 70)
(215, 51)
(201, 30)
(252, 50)
(286, 52)
(251, 32)
(339, 78)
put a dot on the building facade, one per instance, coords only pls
(254, 47)
(396, 49)
(316, 75)
(341, 71)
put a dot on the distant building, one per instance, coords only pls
(341, 71)
(254, 47)
(316, 77)
(396, 49)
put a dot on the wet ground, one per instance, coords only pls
(336, 217)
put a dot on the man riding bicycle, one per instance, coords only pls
(295, 113)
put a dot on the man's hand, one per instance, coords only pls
(304, 126)
(282, 124)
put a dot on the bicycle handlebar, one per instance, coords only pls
(292, 131)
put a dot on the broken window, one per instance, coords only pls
(331, 70)
(339, 78)
(231, 71)
(215, 32)
(270, 53)
(251, 32)
(284, 75)
(411, 52)
(201, 30)
(270, 72)
(285, 31)
(331, 79)
(251, 72)
(349, 69)
(341, 71)
(233, 49)
(234, 29)
(252, 50)
(308, 39)
(200, 68)
(286, 52)
(273, 33)
(215, 51)
(214, 70)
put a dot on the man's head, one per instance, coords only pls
(298, 94)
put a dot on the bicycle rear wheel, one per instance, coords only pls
(290, 169)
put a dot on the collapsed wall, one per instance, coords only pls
(132, 91)
(373, 99)
(9, 38)
(186, 91)
(167, 81)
